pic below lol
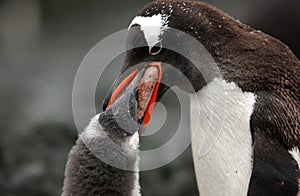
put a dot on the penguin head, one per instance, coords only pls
(163, 23)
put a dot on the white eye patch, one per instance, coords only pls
(152, 27)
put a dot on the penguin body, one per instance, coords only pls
(256, 152)
(104, 160)
(87, 174)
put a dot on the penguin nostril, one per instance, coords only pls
(154, 50)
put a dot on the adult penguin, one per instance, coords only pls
(256, 152)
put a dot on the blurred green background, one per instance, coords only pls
(42, 43)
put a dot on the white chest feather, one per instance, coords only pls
(222, 144)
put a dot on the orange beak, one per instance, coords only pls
(128, 80)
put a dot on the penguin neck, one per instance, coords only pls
(222, 141)
(101, 164)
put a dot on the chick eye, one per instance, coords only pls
(154, 50)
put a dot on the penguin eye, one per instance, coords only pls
(154, 50)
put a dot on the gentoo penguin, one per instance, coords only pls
(104, 160)
(257, 151)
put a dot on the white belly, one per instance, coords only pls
(222, 144)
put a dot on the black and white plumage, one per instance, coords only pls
(257, 152)
(104, 160)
